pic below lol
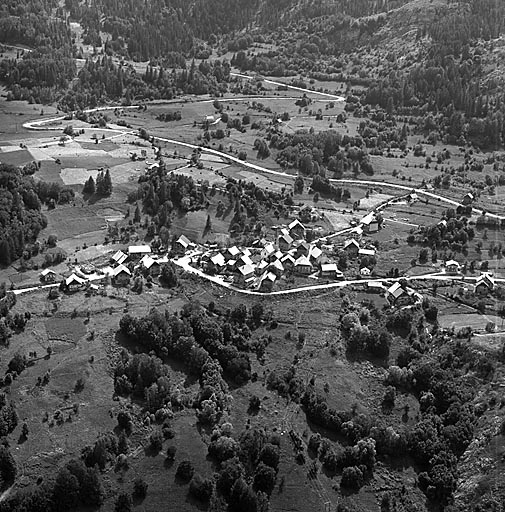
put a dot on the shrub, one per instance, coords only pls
(201, 488)
(140, 488)
(185, 471)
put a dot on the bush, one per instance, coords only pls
(185, 471)
(123, 503)
(156, 440)
(140, 488)
(201, 488)
(171, 451)
(352, 478)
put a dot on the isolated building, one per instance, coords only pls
(452, 267)
(48, 276)
(181, 245)
(468, 198)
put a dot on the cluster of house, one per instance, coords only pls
(121, 268)
(262, 265)
(353, 249)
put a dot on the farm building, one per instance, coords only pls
(74, 282)
(121, 275)
(331, 271)
(150, 264)
(276, 267)
(48, 276)
(452, 267)
(375, 287)
(181, 245)
(366, 252)
(315, 254)
(284, 242)
(232, 253)
(119, 257)
(351, 247)
(468, 198)
(137, 251)
(245, 273)
(370, 223)
(297, 230)
(484, 284)
(267, 282)
(303, 265)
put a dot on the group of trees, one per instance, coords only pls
(20, 217)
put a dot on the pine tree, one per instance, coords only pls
(89, 186)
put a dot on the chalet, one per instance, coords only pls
(261, 267)
(208, 119)
(288, 261)
(351, 247)
(412, 197)
(246, 252)
(303, 249)
(267, 282)
(218, 262)
(468, 198)
(245, 260)
(153, 266)
(121, 275)
(399, 296)
(369, 223)
(284, 242)
(137, 251)
(181, 245)
(268, 251)
(74, 282)
(48, 276)
(442, 224)
(232, 265)
(245, 273)
(357, 233)
(297, 230)
(315, 254)
(276, 267)
(452, 267)
(232, 253)
(119, 257)
(303, 265)
(484, 284)
(365, 272)
(331, 271)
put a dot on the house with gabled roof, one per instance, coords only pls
(468, 198)
(267, 282)
(397, 295)
(74, 282)
(331, 271)
(267, 251)
(137, 251)
(182, 244)
(303, 265)
(484, 284)
(232, 253)
(315, 254)
(276, 267)
(297, 230)
(369, 223)
(119, 257)
(150, 264)
(303, 249)
(285, 241)
(121, 275)
(351, 247)
(48, 276)
(218, 261)
(245, 273)
(452, 267)
(288, 261)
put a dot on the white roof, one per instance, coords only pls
(147, 261)
(315, 252)
(396, 290)
(246, 260)
(469, 194)
(288, 257)
(269, 248)
(233, 251)
(119, 257)
(296, 223)
(46, 272)
(218, 259)
(269, 277)
(139, 249)
(303, 261)
(246, 252)
(278, 265)
(262, 264)
(358, 230)
(369, 218)
(183, 241)
(451, 263)
(108, 271)
(443, 222)
(74, 279)
(329, 267)
(485, 278)
(246, 270)
(375, 284)
(286, 237)
(365, 271)
(120, 269)
(366, 252)
(349, 242)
